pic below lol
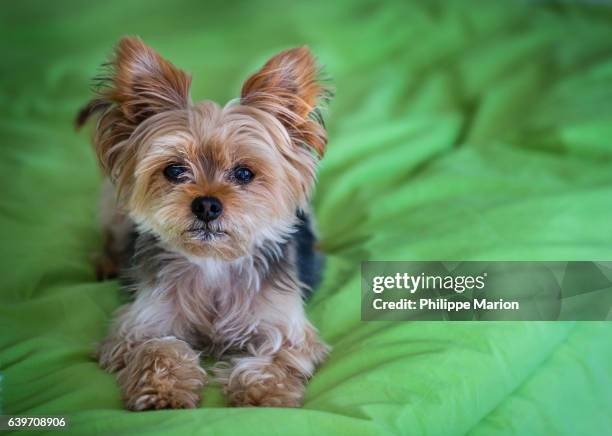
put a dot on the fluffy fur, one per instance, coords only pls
(228, 287)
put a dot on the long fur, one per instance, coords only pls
(230, 288)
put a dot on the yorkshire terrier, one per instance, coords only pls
(206, 213)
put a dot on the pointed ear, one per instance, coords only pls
(288, 88)
(139, 84)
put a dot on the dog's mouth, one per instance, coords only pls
(205, 234)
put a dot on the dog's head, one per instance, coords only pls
(209, 180)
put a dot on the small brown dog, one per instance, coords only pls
(206, 215)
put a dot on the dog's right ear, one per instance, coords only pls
(139, 84)
(288, 86)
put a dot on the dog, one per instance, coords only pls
(206, 215)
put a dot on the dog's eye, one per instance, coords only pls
(242, 175)
(175, 173)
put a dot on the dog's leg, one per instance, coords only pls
(162, 373)
(281, 357)
(116, 232)
(154, 370)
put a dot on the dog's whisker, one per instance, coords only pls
(203, 215)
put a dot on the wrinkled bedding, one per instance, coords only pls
(458, 131)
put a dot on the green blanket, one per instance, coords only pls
(459, 131)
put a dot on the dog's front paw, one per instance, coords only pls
(273, 386)
(162, 374)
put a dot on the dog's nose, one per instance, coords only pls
(206, 208)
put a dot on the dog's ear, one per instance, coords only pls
(138, 85)
(289, 88)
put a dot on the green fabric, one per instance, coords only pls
(459, 131)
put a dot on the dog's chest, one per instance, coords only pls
(214, 274)
(215, 299)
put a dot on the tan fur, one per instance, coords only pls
(287, 86)
(117, 227)
(227, 295)
(161, 373)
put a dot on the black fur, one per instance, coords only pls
(309, 261)
(298, 253)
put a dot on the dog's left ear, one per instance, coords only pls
(141, 83)
(138, 85)
(288, 87)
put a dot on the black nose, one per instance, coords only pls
(206, 208)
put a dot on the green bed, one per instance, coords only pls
(459, 131)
